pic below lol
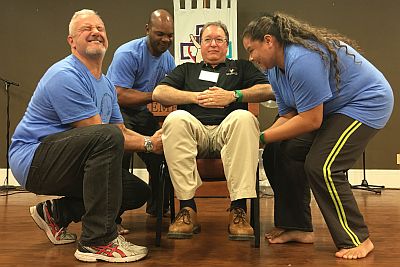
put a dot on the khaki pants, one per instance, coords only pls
(235, 140)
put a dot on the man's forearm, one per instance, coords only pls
(133, 141)
(167, 96)
(132, 97)
(258, 93)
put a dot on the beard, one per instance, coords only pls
(95, 51)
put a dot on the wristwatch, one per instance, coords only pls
(148, 145)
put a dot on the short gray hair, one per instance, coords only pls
(83, 12)
(218, 24)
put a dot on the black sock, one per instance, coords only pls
(188, 203)
(240, 203)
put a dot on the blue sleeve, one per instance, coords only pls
(70, 97)
(271, 76)
(309, 79)
(116, 116)
(123, 70)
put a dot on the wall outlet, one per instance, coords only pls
(398, 159)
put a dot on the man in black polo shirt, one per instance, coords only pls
(211, 121)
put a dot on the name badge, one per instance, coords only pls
(209, 76)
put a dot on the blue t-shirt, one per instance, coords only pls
(67, 93)
(133, 66)
(308, 81)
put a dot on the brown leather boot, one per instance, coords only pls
(185, 224)
(239, 228)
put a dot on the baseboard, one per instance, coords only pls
(387, 178)
(141, 173)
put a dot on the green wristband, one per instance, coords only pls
(262, 140)
(239, 95)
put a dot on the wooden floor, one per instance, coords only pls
(22, 243)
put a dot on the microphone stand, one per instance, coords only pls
(7, 84)
(377, 189)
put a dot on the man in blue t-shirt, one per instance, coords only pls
(135, 70)
(70, 143)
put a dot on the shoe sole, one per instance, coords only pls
(177, 235)
(43, 226)
(91, 257)
(241, 237)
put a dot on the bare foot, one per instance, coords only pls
(293, 236)
(274, 233)
(122, 230)
(356, 253)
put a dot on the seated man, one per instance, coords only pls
(212, 121)
(64, 146)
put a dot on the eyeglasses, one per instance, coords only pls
(218, 41)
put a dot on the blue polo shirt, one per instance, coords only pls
(308, 81)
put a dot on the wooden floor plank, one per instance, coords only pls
(22, 243)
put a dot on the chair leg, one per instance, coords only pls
(255, 213)
(131, 163)
(171, 198)
(160, 204)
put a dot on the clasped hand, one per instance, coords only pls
(215, 97)
(157, 142)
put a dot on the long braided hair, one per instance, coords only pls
(288, 30)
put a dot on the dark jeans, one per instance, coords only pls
(318, 161)
(84, 166)
(145, 123)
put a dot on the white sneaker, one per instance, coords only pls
(132, 247)
(42, 215)
(118, 250)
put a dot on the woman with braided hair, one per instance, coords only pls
(331, 102)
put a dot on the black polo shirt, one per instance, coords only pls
(233, 75)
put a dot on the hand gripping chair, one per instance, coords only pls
(209, 170)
